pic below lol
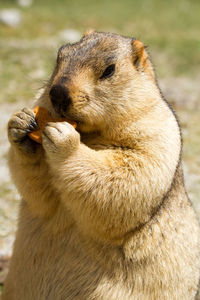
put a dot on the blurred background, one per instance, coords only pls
(31, 32)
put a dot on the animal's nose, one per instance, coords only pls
(60, 98)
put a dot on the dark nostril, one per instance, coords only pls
(59, 96)
(59, 92)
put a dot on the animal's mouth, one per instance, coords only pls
(71, 117)
(58, 110)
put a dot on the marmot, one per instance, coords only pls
(104, 212)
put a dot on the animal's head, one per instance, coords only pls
(101, 80)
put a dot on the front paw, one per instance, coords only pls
(20, 124)
(60, 139)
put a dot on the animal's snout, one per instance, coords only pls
(60, 97)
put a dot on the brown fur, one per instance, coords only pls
(104, 213)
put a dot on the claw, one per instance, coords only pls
(33, 125)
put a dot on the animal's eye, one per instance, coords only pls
(109, 71)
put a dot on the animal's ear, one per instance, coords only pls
(141, 59)
(88, 32)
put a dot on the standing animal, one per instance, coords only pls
(104, 213)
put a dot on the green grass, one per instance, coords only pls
(170, 28)
(191, 150)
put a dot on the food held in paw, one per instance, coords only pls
(42, 117)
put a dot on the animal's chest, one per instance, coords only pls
(57, 268)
